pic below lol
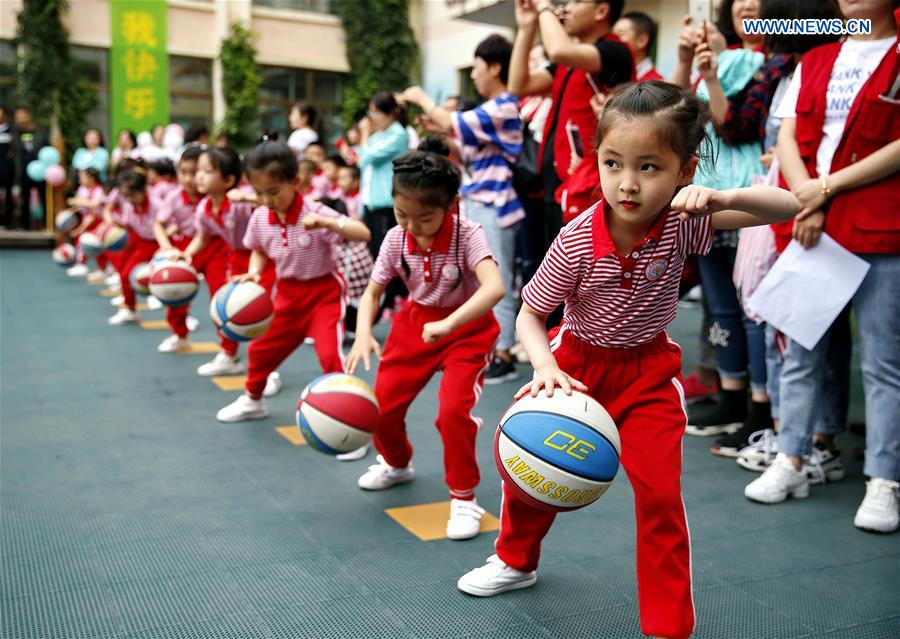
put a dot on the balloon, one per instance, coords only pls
(49, 155)
(35, 170)
(55, 175)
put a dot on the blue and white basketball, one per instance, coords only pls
(90, 244)
(115, 238)
(337, 413)
(67, 220)
(557, 453)
(241, 310)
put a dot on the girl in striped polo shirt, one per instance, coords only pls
(303, 239)
(447, 325)
(616, 267)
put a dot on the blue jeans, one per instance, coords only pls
(738, 340)
(502, 241)
(877, 306)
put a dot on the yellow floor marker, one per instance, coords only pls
(141, 306)
(109, 293)
(98, 283)
(429, 521)
(154, 325)
(292, 434)
(229, 382)
(197, 348)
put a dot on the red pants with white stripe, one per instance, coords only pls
(212, 261)
(303, 308)
(142, 252)
(640, 388)
(408, 363)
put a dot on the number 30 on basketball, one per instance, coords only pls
(577, 448)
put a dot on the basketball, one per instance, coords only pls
(241, 310)
(90, 244)
(161, 257)
(174, 283)
(337, 413)
(67, 220)
(557, 453)
(115, 238)
(140, 279)
(64, 255)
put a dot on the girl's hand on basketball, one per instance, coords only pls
(549, 377)
(433, 331)
(698, 201)
(246, 277)
(361, 351)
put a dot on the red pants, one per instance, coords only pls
(641, 389)
(303, 308)
(212, 261)
(142, 252)
(406, 367)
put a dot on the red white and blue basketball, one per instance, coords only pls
(67, 220)
(557, 453)
(140, 279)
(115, 238)
(174, 283)
(161, 257)
(337, 413)
(90, 244)
(64, 255)
(241, 310)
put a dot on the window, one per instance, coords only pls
(466, 86)
(7, 74)
(190, 91)
(316, 6)
(93, 64)
(281, 87)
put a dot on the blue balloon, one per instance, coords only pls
(49, 155)
(35, 170)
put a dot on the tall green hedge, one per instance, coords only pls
(381, 49)
(240, 86)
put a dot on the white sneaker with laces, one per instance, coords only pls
(493, 578)
(353, 455)
(96, 277)
(117, 301)
(172, 344)
(381, 475)
(221, 364)
(780, 480)
(192, 323)
(79, 270)
(878, 510)
(113, 281)
(153, 303)
(465, 519)
(243, 409)
(122, 316)
(760, 451)
(824, 465)
(273, 384)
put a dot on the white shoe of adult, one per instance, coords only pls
(79, 270)
(221, 364)
(242, 409)
(353, 455)
(778, 481)
(122, 316)
(495, 577)
(96, 277)
(381, 475)
(878, 510)
(192, 323)
(117, 301)
(465, 519)
(172, 344)
(273, 384)
(153, 303)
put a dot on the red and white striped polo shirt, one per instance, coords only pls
(140, 220)
(229, 222)
(118, 203)
(613, 300)
(298, 253)
(178, 207)
(458, 248)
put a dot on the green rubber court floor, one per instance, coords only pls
(128, 511)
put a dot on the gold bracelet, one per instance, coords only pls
(826, 191)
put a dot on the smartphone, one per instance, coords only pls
(699, 10)
(574, 136)
(593, 84)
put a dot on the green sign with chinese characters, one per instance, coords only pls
(139, 64)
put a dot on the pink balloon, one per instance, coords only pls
(55, 175)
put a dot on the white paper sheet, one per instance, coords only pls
(805, 290)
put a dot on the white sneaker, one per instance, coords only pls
(353, 455)
(192, 323)
(878, 510)
(273, 384)
(465, 519)
(780, 480)
(118, 300)
(153, 303)
(494, 578)
(242, 409)
(96, 277)
(221, 364)
(309, 341)
(823, 465)
(760, 452)
(123, 316)
(79, 270)
(113, 281)
(381, 475)
(172, 344)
